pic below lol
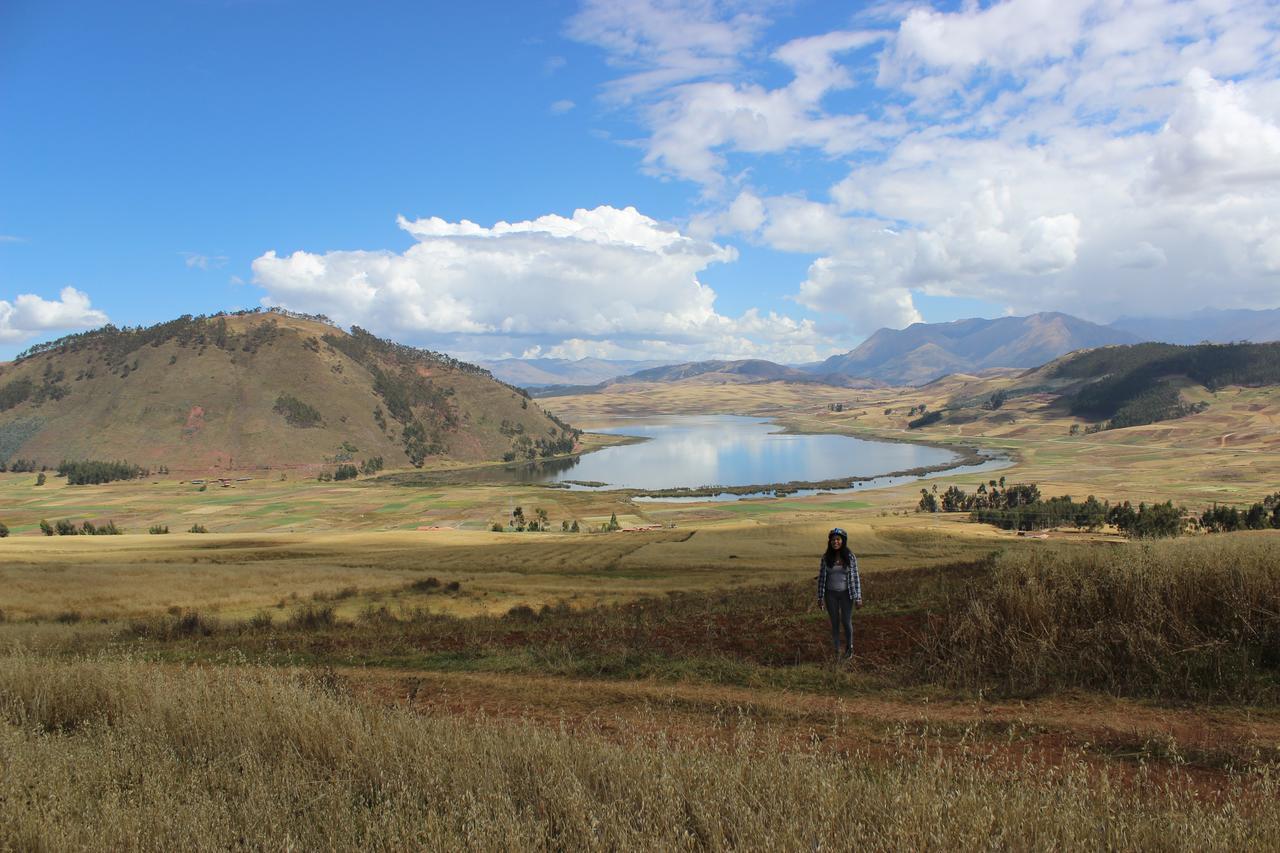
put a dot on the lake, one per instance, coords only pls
(690, 451)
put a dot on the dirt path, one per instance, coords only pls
(1202, 741)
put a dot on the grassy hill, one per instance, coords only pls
(260, 389)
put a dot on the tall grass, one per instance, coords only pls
(116, 754)
(1195, 619)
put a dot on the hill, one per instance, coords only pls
(260, 389)
(923, 352)
(1115, 386)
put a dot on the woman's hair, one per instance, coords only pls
(844, 554)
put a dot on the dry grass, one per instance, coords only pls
(124, 755)
(1192, 619)
(235, 576)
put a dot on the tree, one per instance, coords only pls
(46, 528)
(613, 522)
(40, 479)
(4, 531)
(928, 501)
(573, 528)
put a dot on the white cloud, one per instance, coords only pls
(29, 315)
(610, 276)
(12, 238)
(1093, 156)
(562, 106)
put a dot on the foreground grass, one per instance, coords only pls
(125, 755)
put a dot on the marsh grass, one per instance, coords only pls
(1196, 619)
(118, 754)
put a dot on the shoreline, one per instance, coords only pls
(969, 455)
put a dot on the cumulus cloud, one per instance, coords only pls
(1093, 156)
(28, 315)
(610, 276)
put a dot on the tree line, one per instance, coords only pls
(1020, 506)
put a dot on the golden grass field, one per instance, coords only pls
(304, 676)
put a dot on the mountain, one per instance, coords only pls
(923, 352)
(1211, 324)
(535, 372)
(258, 389)
(741, 372)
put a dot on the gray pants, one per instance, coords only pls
(840, 609)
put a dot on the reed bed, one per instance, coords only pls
(1191, 619)
(119, 754)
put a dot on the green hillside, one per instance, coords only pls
(1133, 385)
(260, 389)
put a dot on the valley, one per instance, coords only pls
(389, 602)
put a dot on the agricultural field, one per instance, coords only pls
(367, 663)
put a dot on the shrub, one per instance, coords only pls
(65, 527)
(497, 527)
(522, 613)
(260, 621)
(346, 472)
(158, 528)
(425, 585)
(41, 479)
(312, 618)
(4, 531)
(198, 528)
(46, 528)
(452, 586)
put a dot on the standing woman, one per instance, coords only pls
(840, 588)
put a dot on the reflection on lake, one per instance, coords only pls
(689, 451)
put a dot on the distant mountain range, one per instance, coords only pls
(536, 372)
(744, 372)
(1213, 325)
(923, 352)
(918, 354)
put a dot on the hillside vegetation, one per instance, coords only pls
(260, 389)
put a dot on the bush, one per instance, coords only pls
(424, 585)
(46, 528)
(158, 528)
(41, 479)
(65, 527)
(497, 527)
(312, 618)
(346, 472)
(198, 528)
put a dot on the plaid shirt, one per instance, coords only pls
(853, 581)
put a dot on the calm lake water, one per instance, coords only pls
(689, 451)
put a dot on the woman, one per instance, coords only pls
(840, 588)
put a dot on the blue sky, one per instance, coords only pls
(679, 180)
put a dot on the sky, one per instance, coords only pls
(635, 179)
